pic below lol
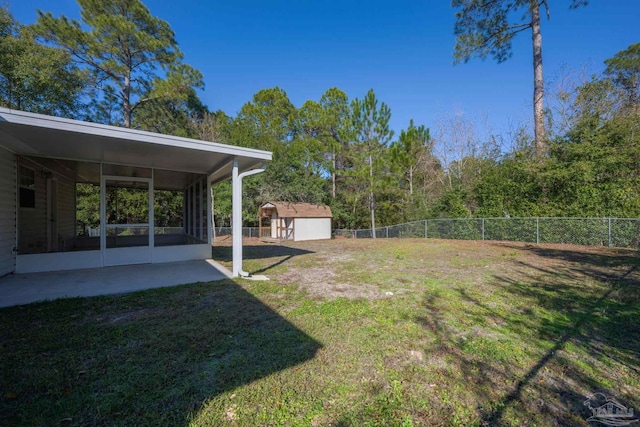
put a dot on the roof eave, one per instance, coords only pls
(18, 130)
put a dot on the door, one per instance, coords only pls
(288, 228)
(52, 215)
(127, 220)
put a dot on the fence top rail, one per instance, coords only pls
(515, 218)
(365, 231)
(528, 218)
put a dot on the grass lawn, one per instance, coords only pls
(346, 333)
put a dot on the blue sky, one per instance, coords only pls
(402, 49)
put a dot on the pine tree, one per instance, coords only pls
(133, 56)
(371, 126)
(485, 28)
(34, 77)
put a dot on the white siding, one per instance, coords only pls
(33, 221)
(32, 236)
(312, 228)
(7, 211)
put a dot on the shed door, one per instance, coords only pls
(288, 228)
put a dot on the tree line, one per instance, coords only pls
(122, 66)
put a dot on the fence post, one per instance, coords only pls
(609, 232)
(426, 228)
(387, 232)
(483, 229)
(537, 231)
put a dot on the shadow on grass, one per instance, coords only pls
(580, 321)
(149, 358)
(262, 252)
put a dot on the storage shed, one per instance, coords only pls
(294, 221)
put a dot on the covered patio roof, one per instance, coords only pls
(37, 135)
(46, 136)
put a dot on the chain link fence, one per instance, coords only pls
(226, 231)
(612, 232)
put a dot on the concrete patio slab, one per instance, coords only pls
(17, 289)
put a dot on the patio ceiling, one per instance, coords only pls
(45, 136)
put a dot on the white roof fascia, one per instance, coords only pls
(76, 126)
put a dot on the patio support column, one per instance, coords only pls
(103, 218)
(152, 231)
(209, 235)
(236, 218)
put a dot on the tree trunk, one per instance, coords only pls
(333, 175)
(538, 81)
(126, 101)
(371, 199)
(411, 180)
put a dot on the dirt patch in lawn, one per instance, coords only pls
(319, 283)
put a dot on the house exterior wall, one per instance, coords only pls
(8, 201)
(312, 228)
(32, 237)
(33, 234)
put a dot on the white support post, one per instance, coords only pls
(14, 250)
(193, 210)
(151, 218)
(236, 203)
(209, 233)
(103, 217)
(200, 205)
(185, 217)
(236, 219)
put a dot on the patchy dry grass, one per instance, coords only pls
(347, 332)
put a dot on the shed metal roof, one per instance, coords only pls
(297, 210)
